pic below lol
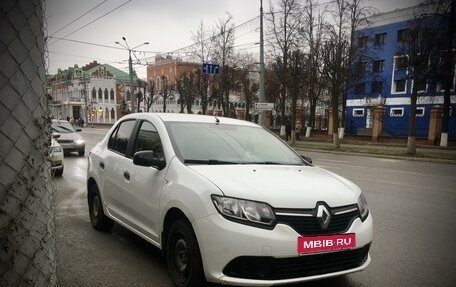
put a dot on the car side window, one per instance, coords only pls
(148, 139)
(119, 139)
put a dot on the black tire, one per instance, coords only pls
(97, 217)
(183, 256)
(81, 152)
(58, 172)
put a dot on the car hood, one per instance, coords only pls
(281, 186)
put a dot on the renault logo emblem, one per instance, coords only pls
(323, 216)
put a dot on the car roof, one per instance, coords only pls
(173, 117)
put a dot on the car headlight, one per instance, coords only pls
(56, 149)
(245, 211)
(79, 142)
(362, 206)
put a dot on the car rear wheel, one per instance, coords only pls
(81, 152)
(97, 217)
(183, 256)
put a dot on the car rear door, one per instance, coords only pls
(112, 166)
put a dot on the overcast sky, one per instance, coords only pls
(166, 24)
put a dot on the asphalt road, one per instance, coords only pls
(413, 204)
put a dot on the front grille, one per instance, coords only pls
(270, 268)
(305, 222)
(65, 141)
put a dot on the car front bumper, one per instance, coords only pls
(242, 255)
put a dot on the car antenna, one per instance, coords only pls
(217, 121)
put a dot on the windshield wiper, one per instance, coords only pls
(208, 161)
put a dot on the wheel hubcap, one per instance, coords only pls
(181, 257)
(96, 205)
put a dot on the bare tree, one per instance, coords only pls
(149, 93)
(246, 66)
(202, 52)
(298, 63)
(336, 60)
(445, 10)
(284, 36)
(419, 56)
(186, 87)
(313, 32)
(224, 55)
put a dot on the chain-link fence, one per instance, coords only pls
(27, 212)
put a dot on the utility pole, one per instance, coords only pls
(262, 98)
(86, 115)
(130, 71)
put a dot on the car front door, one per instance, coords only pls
(141, 190)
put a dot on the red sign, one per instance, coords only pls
(310, 244)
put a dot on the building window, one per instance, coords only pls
(113, 114)
(420, 86)
(377, 87)
(362, 41)
(112, 94)
(399, 86)
(358, 112)
(94, 93)
(106, 95)
(100, 94)
(379, 66)
(360, 89)
(400, 63)
(397, 112)
(420, 111)
(380, 39)
(402, 35)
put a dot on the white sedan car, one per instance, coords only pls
(226, 201)
(56, 158)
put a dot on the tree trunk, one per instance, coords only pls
(411, 150)
(27, 212)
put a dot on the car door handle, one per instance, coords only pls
(127, 175)
(102, 165)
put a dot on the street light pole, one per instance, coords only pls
(262, 98)
(130, 70)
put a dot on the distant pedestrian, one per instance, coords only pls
(81, 123)
(288, 129)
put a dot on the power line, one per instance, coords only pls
(101, 45)
(121, 5)
(78, 18)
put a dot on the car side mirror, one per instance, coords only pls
(78, 130)
(307, 158)
(147, 158)
(55, 135)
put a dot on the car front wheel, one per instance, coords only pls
(183, 256)
(97, 217)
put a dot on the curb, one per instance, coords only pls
(421, 159)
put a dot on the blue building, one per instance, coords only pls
(385, 82)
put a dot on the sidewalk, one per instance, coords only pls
(360, 147)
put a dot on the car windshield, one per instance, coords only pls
(209, 143)
(62, 127)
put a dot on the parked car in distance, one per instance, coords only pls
(226, 201)
(70, 139)
(56, 157)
